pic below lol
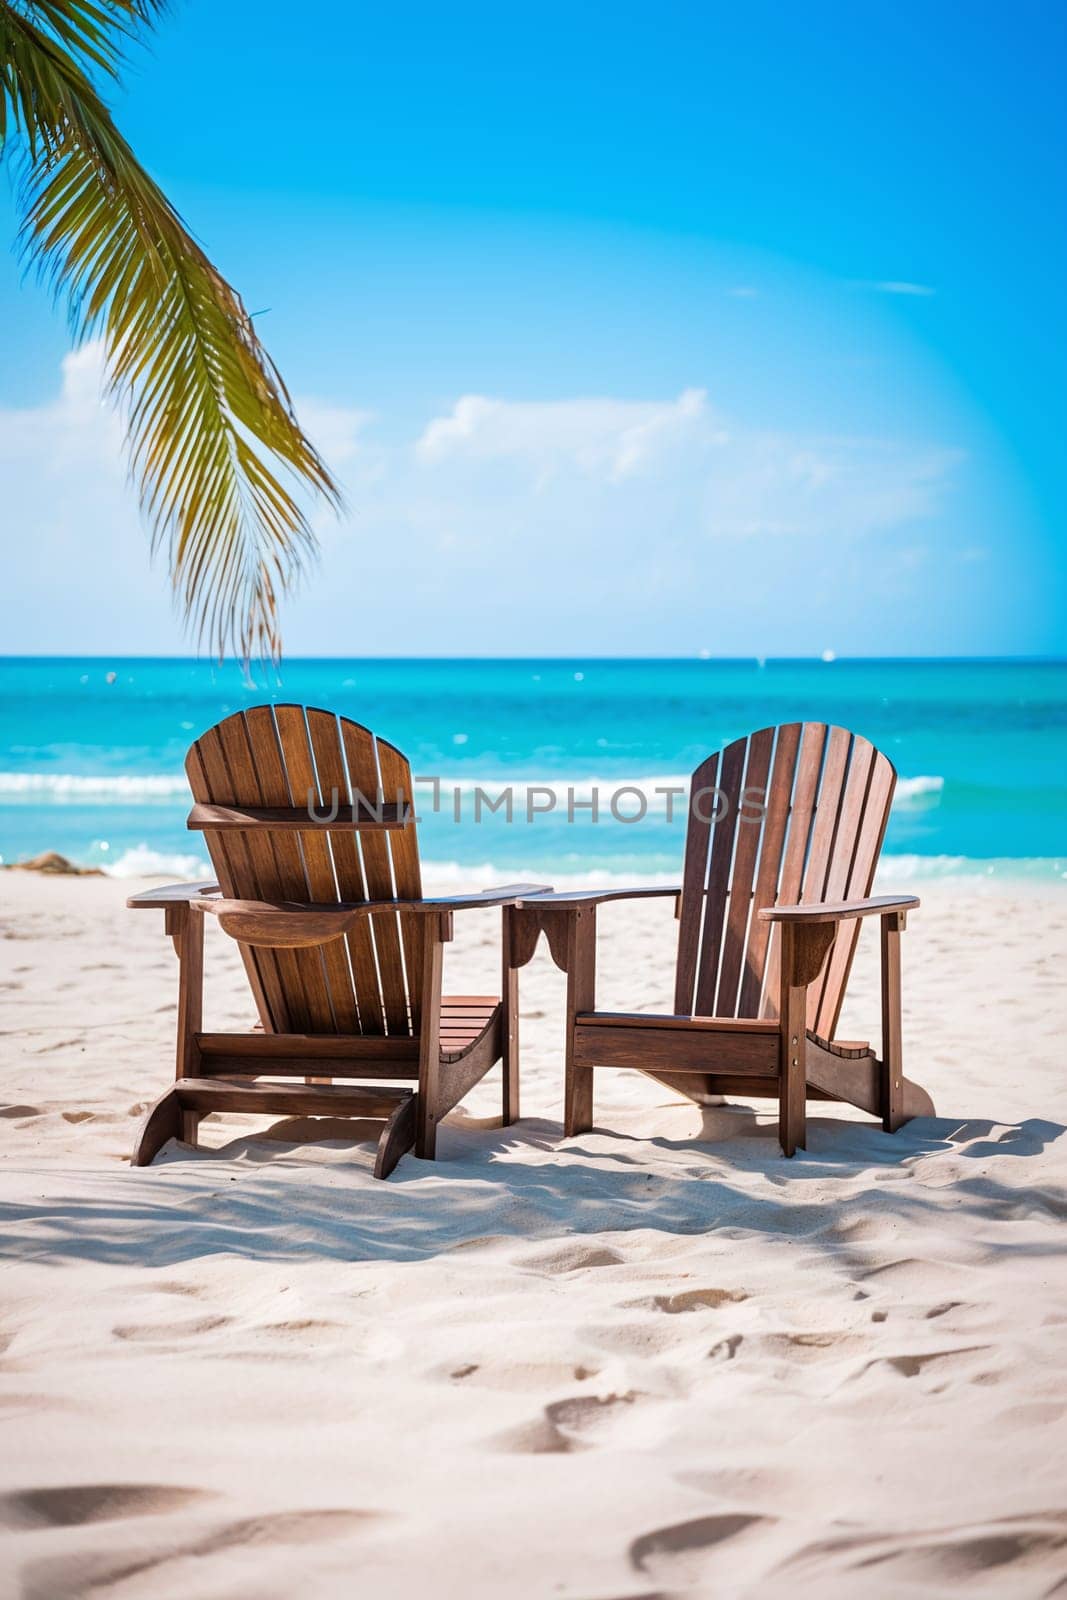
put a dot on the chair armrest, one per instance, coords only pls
(510, 894)
(564, 899)
(839, 910)
(293, 925)
(170, 894)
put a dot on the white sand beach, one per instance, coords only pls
(655, 1360)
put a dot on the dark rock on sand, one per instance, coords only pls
(51, 861)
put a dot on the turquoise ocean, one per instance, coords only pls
(91, 754)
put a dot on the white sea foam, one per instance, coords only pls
(447, 877)
(657, 791)
(916, 791)
(77, 787)
(894, 871)
(142, 862)
(453, 877)
(439, 877)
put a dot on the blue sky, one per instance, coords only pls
(641, 329)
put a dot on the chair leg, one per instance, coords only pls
(186, 927)
(162, 1121)
(397, 1136)
(792, 1080)
(581, 996)
(893, 1115)
(509, 1022)
(188, 1126)
(427, 1101)
(578, 1110)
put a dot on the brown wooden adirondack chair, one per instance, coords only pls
(309, 821)
(784, 833)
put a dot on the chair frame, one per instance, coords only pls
(777, 898)
(706, 1056)
(451, 1053)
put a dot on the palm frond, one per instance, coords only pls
(214, 443)
(95, 32)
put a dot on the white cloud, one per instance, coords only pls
(602, 437)
(898, 286)
(678, 457)
(77, 427)
(601, 517)
(338, 433)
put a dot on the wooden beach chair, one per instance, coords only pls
(309, 822)
(784, 832)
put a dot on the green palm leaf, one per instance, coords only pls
(214, 443)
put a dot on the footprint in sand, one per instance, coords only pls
(1014, 1557)
(810, 1348)
(567, 1425)
(308, 1330)
(80, 1575)
(574, 1257)
(155, 1333)
(910, 1366)
(80, 1503)
(20, 1111)
(692, 1300)
(585, 1414)
(688, 1552)
(516, 1377)
(649, 1337)
(738, 1480)
(907, 1276)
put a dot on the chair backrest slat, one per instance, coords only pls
(720, 861)
(266, 766)
(746, 857)
(209, 779)
(867, 847)
(827, 810)
(407, 873)
(276, 757)
(801, 815)
(798, 838)
(363, 773)
(348, 865)
(694, 882)
(314, 847)
(775, 825)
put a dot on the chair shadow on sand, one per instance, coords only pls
(246, 1198)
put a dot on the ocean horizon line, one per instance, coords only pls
(815, 658)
